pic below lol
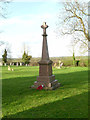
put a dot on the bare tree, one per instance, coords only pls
(75, 22)
(3, 7)
(3, 13)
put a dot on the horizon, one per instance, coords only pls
(51, 57)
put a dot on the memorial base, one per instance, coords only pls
(49, 82)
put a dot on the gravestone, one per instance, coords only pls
(20, 64)
(13, 64)
(5, 64)
(17, 64)
(45, 77)
(10, 63)
(1, 64)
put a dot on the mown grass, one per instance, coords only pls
(68, 101)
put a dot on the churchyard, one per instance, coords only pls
(70, 100)
(45, 91)
(44, 87)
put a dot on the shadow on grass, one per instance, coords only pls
(15, 89)
(72, 107)
(21, 85)
(73, 79)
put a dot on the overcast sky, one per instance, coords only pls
(23, 28)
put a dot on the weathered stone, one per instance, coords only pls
(45, 67)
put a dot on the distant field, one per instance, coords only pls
(68, 61)
(68, 101)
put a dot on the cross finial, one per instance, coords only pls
(44, 26)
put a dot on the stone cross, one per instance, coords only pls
(45, 54)
(44, 27)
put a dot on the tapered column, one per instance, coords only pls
(45, 54)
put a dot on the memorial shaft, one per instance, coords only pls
(45, 66)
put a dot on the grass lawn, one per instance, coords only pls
(68, 101)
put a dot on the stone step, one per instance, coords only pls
(54, 82)
(53, 87)
(36, 83)
(49, 86)
(56, 86)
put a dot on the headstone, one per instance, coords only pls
(55, 64)
(17, 64)
(45, 77)
(20, 64)
(1, 64)
(9, 68)
(61, 64)
(5, 64)
(10, 64)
